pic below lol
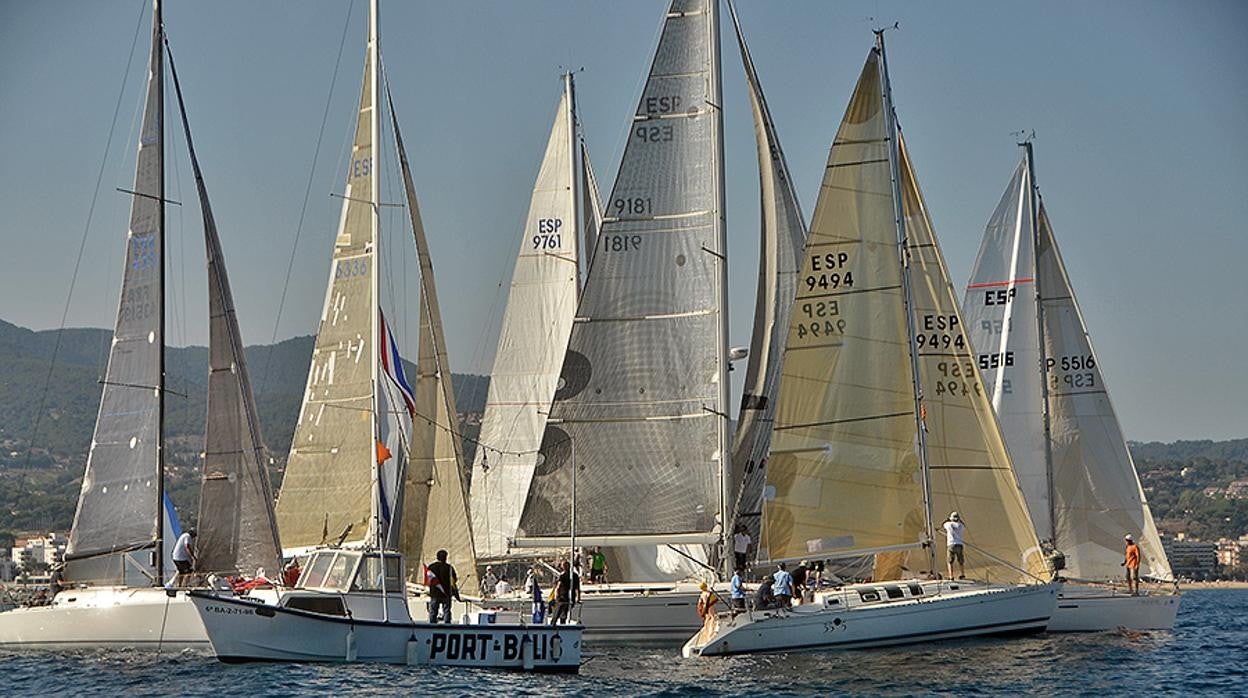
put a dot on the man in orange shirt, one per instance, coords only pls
(1132, 563)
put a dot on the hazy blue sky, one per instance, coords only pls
(1140, 109)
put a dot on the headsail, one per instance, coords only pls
(531, 343)
(238, 532)
(640, 412)
(1096, 495)
(783, 232)
(120, 504)
(435, 498)
(328, 485)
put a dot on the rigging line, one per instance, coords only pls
(73, 279)
(307, 194)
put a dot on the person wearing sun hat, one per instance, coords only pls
(1131, 561)
(955, 531)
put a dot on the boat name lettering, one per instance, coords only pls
(988, 362)
(349, 268)
(485, 647)
(635, 205)
(229, 610)
(940, 332)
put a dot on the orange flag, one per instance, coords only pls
(383, 453)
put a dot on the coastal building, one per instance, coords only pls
(33, 550)
(1232, 553)
(1190, 558)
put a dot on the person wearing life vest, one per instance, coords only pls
(706, 601)
(1131, 561)
(443, 585)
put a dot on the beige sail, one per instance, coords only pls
(844, 474)
(970, 470)
(328, 484)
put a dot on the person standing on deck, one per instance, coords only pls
(1131, 561)
(533, 587)
(184, 558)
(783, 586)
(955, 531)
(443, 585)
(741, 546)
(567, 593)
(597, 567)
(736, 591)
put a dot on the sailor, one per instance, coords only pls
(1131, 561)
(443, 585)
(706, 601)
(764, 598)
(503, 587)
(488, 582)
(741, 546)
(533, 587)
(567, 593)
(801, 576)
(290, 575)
(783, 586)
(955, 530)
(597, 567)
(184, 558)
(736, 590)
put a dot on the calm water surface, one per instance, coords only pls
(1207, 653)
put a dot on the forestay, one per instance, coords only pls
(640, 411)
(531, 344)
(120, 503)
(1096, 493)
(783, 237)
(328, 484)
(237, 530)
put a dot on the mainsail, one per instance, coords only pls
(238, 533)
(328, 486)
(783, 233)
(864, 447)
(531, 343)
(435, 498)
(638, 424)
(120, 504)
(1079, 477)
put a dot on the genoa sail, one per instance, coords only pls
(531, 343)
(435, 496)
(783, 237)
(120, 504)
(1084, 483)
(237, 530)
(638, 424)
(328, 487)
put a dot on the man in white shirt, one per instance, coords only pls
(184, 558)
(954, 532)
(503, 587)
(740, 546)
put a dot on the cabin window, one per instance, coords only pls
(915, 589)
(314, 575)
(868, 595)
(329, 605)
(340, 571)
(369, 576)
(894, 592)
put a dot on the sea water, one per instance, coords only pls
(1206, 653)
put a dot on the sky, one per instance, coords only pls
(1139, 110)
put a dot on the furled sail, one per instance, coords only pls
(1096, 495)
(237, 530)
(783, 230)
(328, 485)
(120, 504)
(640, 412)
(531, 343)
(435, 498)
(844, 474)
(970, 469)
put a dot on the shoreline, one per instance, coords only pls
(1187, 586)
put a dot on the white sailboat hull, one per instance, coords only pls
(246, 631)
(623, 614)
(943, 611)
(1091, 608)
(107, 618)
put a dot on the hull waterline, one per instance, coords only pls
(110, 618)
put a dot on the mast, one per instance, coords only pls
(158, 68)
(721, 281)
(903, 256)
(1033, 202)
(578, 228)
(374, 277)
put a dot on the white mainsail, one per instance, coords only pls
(532, 341)
(868, 438)
(1035, 351)
(121, 504)
(638, 427)
(783, 233)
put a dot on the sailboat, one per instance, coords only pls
(115, 564)
(1037, 362)
(350, 603)
(881, 422)
(563, 215)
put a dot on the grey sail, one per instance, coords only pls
(120, 504)
(328, 487)
(783, 232)
(435, 496)
(237, 528)
(640, 414)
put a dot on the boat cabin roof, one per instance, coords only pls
(346, 570)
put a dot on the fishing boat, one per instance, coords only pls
(1035, 354)
(112, 594)
(881, 422)
(351, 602)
